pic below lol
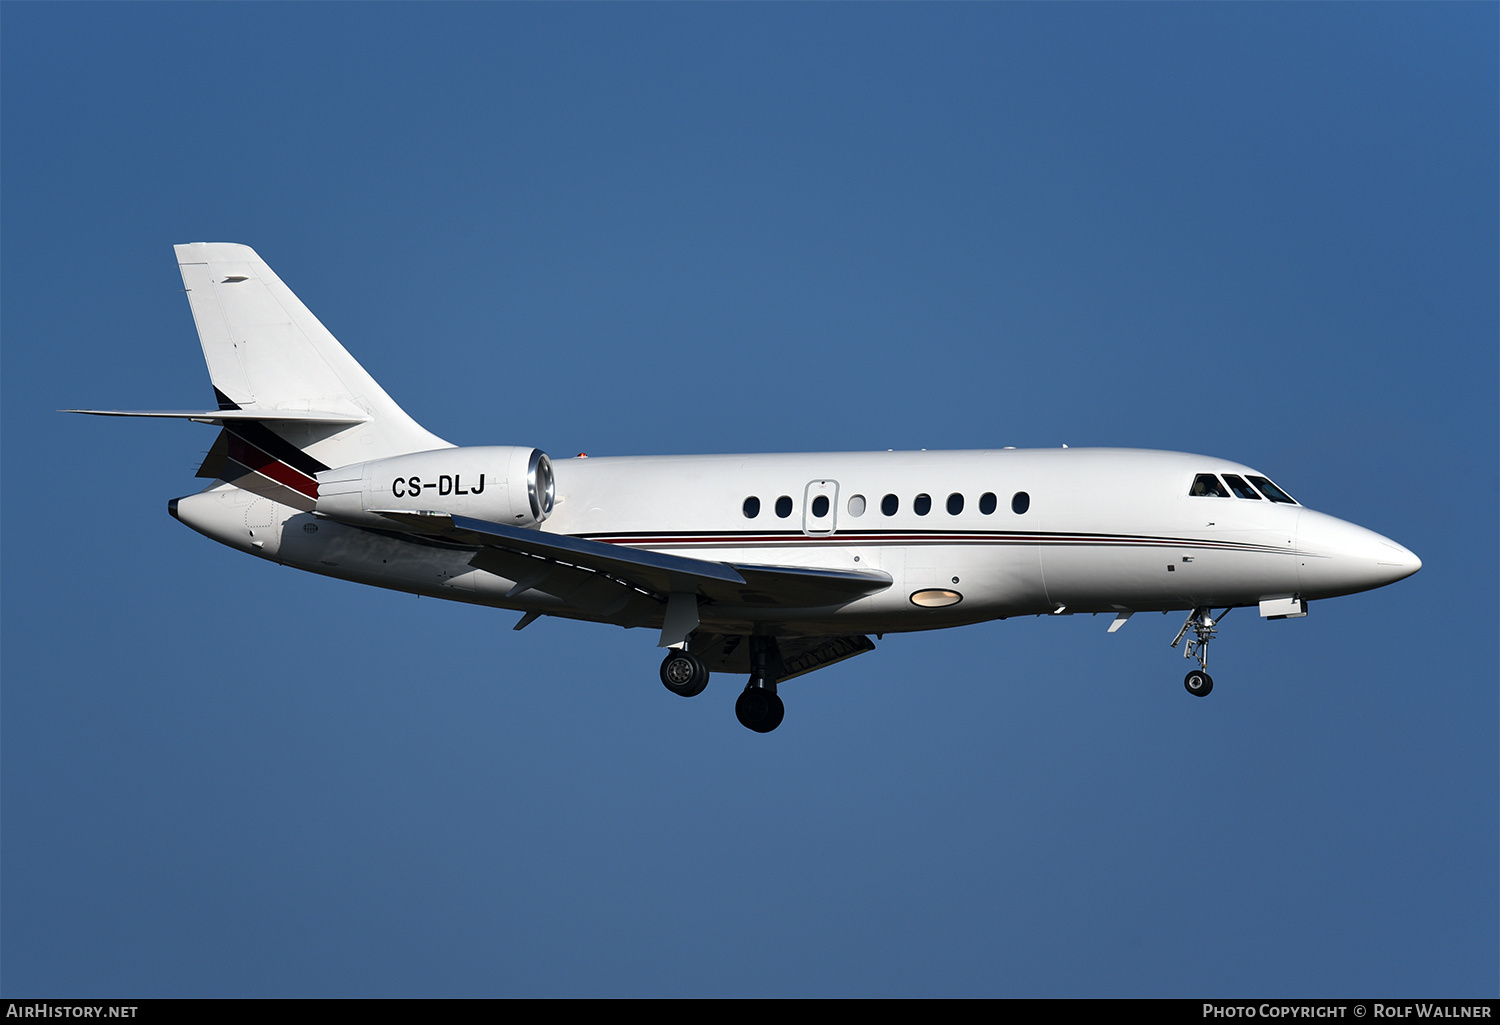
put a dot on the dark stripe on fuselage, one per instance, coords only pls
(705, 539)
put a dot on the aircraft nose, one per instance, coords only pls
(1398, 562)
(1338, 557)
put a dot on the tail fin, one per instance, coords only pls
(266, 352)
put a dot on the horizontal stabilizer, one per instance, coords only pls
(206, 416)
(656, 572)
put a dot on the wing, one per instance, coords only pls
(556, 562)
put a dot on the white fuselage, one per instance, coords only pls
(1099, 530)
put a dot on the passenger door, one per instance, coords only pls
(820, 507)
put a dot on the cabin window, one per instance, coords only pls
(820, 507)
(1239, 487)
(987, 502)
(955, 504)
(1206, 485)
(752, 507)
(784, 506)
(857, 505)
(1020, 502)
(889, 504)
(922, 505)
(1271, 491)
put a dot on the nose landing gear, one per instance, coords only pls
(1204, 627)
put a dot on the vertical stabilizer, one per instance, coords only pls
(266, 351)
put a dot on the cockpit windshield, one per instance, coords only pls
(1271, 491)
(1207, 485)
(1239, 487)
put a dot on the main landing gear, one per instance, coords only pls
(1204, 626)
(684, 674)
(758, 707)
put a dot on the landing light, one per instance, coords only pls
(936, 598)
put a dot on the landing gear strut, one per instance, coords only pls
(759, 708)
(684, 673)
(1204, 626)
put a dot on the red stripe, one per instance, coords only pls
(241, 451)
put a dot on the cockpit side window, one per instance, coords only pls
(1207, 485)
(1270, 490)
(1239, 487)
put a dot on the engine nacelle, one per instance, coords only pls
(499, 483)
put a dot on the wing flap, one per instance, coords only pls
(803, 587)
(789, 657)
(589, 592)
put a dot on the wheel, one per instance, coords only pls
(777, 713)
(684, 674)
(759, 709)
(1198, 683)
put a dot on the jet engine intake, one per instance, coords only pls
(499, 483)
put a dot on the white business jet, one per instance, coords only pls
(766, 565)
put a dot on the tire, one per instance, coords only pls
(1198, 683)
(759, 709)
(684, 674)
(777, 713)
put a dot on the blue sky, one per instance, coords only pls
(1264, 232)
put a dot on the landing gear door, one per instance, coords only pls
(820, 507)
